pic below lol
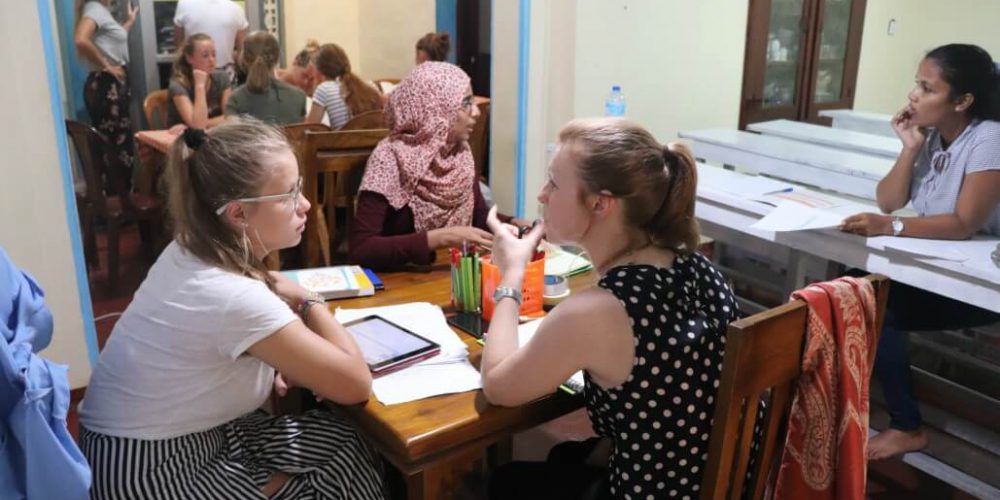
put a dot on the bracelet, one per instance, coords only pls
(307, 302)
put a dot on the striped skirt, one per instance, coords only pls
(321, 451)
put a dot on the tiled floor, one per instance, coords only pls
(888, 480)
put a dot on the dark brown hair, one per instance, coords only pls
(260, 56)
(656, 183)
(305, 55)
(232, 161)
(436, 45)
(183, 71)
(332, 62)
(969, 69)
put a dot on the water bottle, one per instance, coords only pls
(614, 105)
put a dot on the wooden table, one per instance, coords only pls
(432, 441)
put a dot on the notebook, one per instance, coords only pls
(336, 282)
(562, 263)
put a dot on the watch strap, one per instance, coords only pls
(506, 291)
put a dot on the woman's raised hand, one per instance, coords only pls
(912, 135)
(510, 253)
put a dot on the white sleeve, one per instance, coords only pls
(321, 95)
(253, 313)
(181, 15)
(241, 18)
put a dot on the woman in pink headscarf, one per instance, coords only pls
(419, 191)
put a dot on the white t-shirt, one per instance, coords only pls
(175, 362)
(327, 94)
(219, 19)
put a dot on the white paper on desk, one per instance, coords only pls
(791, 216)
(424, 319)
(955, 251)
(980, 260)
(742, 185)
(423, 381)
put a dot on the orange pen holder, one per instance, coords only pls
(532, 289)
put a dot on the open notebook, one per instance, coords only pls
(524, 333)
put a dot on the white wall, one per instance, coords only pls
(34, 228)
(503, 103)
(888, 63)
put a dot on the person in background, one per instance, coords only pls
(34, 399)
(949, 169)
(649, 337)
(103, 43)
(264, 96)
(419, 191)
(433, 47)
(339, 93)
(198, 93)
(299, 73)
(173, 406)
(222, 20)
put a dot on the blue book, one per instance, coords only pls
(376, 282)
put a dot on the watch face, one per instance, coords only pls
(897, 226)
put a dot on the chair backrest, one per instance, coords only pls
(369, 120)
(385, 85)
(333, 158)
(296, 134)
(92, 150)
(763, 355)
(480, 136)
(155, 109)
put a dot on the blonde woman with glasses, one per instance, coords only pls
(172, 409)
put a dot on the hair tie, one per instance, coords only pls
(669, 157)
(194, 137)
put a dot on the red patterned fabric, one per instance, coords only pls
(825, 451)
(415, 165)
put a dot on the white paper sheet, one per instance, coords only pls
(742, 185)
(792, 216)
(956, 251)
(423, 381)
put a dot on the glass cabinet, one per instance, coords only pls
(801, 57)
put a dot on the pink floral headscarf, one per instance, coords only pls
(415, 165)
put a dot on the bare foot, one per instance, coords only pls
(894, 442)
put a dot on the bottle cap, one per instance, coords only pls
(616, 88)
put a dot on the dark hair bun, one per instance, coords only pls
(194, 137)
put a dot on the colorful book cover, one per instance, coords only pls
(337, 282)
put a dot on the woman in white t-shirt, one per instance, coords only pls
(172, 409)
(339, 92)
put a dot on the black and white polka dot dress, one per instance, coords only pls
(661, 417)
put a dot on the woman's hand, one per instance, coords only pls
(177, 129)
(291, 292)
(117, 71)
(200, 78)
(867, 224)
(133, 11)
(510, 253)
(912, 135)
(447, 237)
(281, 384)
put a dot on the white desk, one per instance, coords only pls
(846, 172)
(727, 218)
(837, 138)
(860, 121)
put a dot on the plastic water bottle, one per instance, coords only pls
(614, 105)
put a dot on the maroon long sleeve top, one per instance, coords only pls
(385, 239)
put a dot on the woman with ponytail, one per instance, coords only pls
(172, 408)
(433, 47)
(264, 96)
(198, 92)
(649, 338)
(339, 92)
(949, 170)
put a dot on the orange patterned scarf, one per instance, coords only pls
(825, 451)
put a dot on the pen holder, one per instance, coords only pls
(466, 281)
(532, 289)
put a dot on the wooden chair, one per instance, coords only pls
(340, 158)
(480, 137)
(369, 120)
(155, 108)
(763, 354)
(108, 196)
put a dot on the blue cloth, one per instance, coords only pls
(38, 457)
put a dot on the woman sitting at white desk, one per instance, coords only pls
(649, 338)
(949, 169)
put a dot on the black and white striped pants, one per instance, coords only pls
(320, 450)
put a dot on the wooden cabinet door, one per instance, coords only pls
(776, 60)
(836, 50)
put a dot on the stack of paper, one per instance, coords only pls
(448, 372)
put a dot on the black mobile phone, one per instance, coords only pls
(473, 323)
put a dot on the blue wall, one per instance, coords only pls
(74, 72)
(445, 17)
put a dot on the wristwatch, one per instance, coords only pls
(506, 291)
(309, 300)
(897, 226)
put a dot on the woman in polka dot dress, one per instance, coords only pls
(650, 337)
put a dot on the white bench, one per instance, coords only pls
(856, 174)
(839, 138)
(860, 121)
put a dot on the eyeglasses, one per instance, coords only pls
(291, 198)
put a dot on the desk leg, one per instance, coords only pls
(441, 481)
